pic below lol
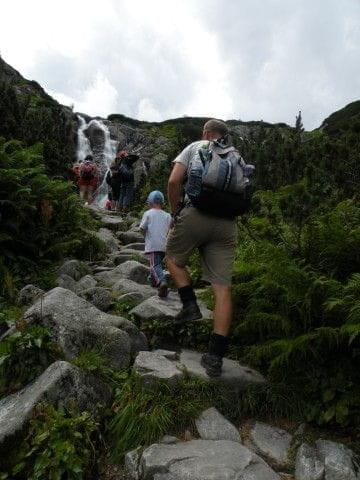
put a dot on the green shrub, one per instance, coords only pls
(94, 362)
(24, 355)
(60, 445)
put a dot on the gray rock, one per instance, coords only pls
(124, 286)
(78, 325)
(169, 354)
(28, 295)
(130, 237)
(133, 297)
(156, 308)
(137, 255)
(74, 269)
(130, 270)
(109, 239)
(132, 461)
(60, 384)
(308, 465)
(112, 222)
(124, 256)
(65, 281)
(204, 460)
(138, 246)
(85, 283)
(270, 442)
(169, 440)
(152, 366)
(211, 425)
(233, 374)
(338, 460)
(99, 297)
(103, 268)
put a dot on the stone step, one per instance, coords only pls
(153, 366)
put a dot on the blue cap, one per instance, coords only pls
(156, 197)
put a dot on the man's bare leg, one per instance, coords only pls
(223, 309)
(180, 275)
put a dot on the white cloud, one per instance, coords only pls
(245, 59)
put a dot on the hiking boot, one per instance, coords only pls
(188, 314)
(212, 364)
(163, 290)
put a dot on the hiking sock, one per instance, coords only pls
(218, 345)
(187, 295)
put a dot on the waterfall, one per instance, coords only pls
(103, 153)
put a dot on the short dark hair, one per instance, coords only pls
(89, 158)
(216, 126)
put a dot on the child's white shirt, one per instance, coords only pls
(156, 224)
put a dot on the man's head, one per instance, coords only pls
(215, 129)
(156, 199)
(88, 158)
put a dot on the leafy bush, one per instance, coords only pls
(60, 444)
(24, 355)
(41, 218)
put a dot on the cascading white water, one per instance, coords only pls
(83, 144)
(103, 158)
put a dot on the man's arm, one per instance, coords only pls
(175, 187)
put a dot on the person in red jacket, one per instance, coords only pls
(88, 179)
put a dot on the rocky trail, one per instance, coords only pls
(79, 313)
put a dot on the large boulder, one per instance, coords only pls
(270, 442)
(125, 255)
(162, 364)
(156, 308)
(130, 237)
(308, 465)
(211, 425)
(338, 460)
(202, 460)
(130, 270)
(99, 297)
(67, 282)
(74, 269)
(28, 295)
(141, 292)
(109, 239)
(85, 283)
(60, 384)
(77, 325)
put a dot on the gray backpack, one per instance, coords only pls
(218, 181)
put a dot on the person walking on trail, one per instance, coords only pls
(213, 176)
(88, 179)
(126, 171)
(155, 225)
(113, 179)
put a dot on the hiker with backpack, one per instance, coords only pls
(126, 172)
(215, 180)
(113, 179)
(88, 179)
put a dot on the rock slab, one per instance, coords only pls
(60, 384)
(308, 465)
(203, 460)
(270, 442)
(211, 425)
(77, 325)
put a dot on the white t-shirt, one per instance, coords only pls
(156, 224)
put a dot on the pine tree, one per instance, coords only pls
(299, 127)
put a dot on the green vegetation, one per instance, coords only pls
(24, 355)
(60, 444)
(42, 218)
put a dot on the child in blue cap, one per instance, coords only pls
(155, 225)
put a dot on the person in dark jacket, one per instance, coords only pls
(113, 179)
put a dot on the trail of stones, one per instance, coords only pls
(79, 314)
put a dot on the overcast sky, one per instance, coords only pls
(159, 59)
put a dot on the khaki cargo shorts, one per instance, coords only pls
(215, 238)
